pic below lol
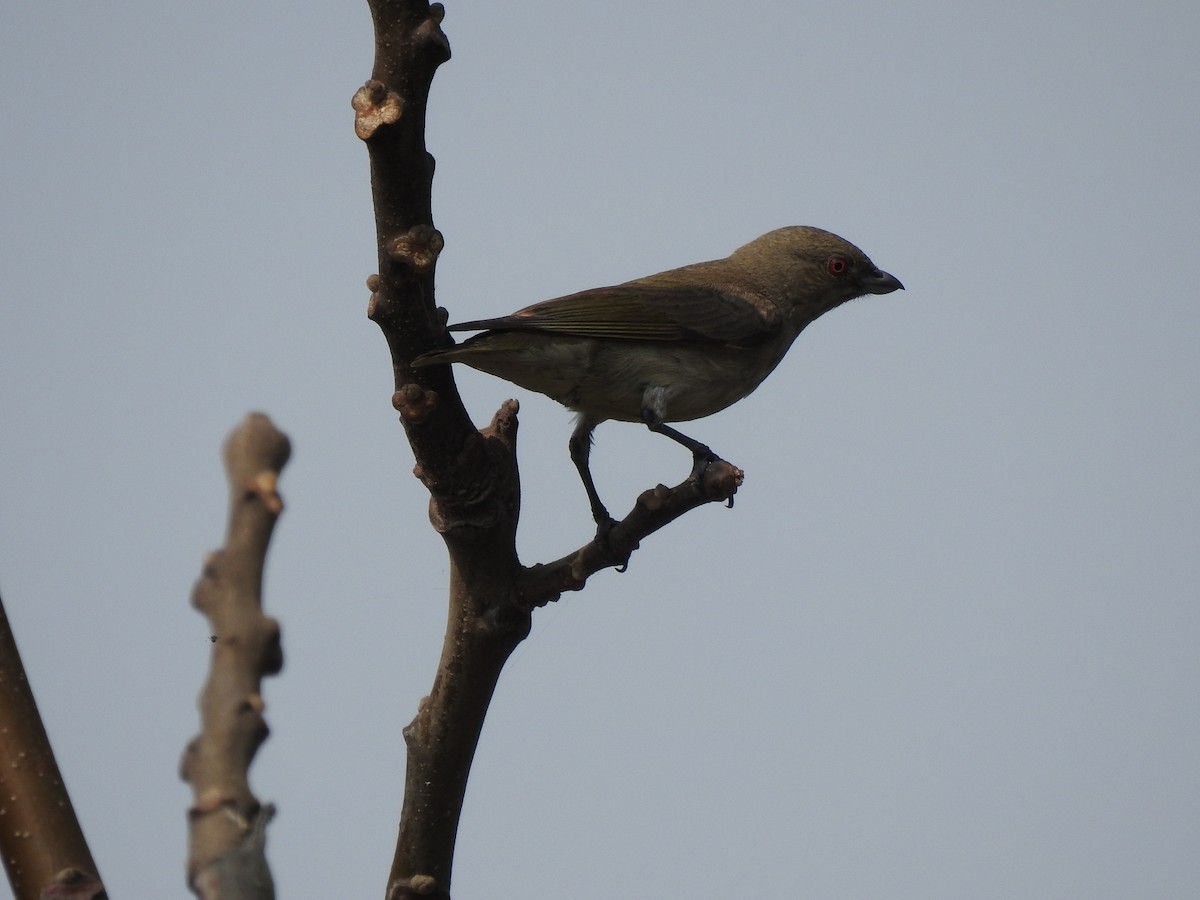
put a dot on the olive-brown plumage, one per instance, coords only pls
(675, 346)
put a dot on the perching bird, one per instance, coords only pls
(671, 347)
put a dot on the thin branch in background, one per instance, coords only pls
(45, 854)
(227, 824)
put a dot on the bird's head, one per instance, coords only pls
(811, 270)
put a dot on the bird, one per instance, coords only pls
(672, 347)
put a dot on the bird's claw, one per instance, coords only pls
(700, 463)
(702, 459)
(604, 525)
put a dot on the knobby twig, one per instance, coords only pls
(45, 854)
(471, 475)
(656, 508)
(227, 824)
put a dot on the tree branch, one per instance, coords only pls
(543, 583)
(227, 824)
(471, 475)
(45, 853)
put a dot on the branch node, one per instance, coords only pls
(375, 106)
(272, 652)
(655, 498)
(377, 306)
(414, 403)
(422, 475)
(423, 884)
(430, 31)
(210, 800)
(73, 884)
(415, 886)
(503, 426)
(721, 480)
(263, 486)
(418, 247)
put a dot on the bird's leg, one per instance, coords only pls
(702, 454)
(581, 447)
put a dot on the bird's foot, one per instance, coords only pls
(716, 477)
(604, 526)
(702, 458)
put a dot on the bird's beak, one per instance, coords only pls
(881, 283)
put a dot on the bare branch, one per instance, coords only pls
(471, 475)
(226, 822)
(45, 853)
(543, 583)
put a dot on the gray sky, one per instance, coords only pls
(944, 646)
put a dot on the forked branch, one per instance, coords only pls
(471, 474)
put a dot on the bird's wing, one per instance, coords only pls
(649, 312)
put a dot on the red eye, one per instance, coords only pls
(837, 266)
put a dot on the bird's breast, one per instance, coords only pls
(682, 381)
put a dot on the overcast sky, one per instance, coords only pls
(943, 647)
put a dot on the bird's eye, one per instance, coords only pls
(837, 266)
